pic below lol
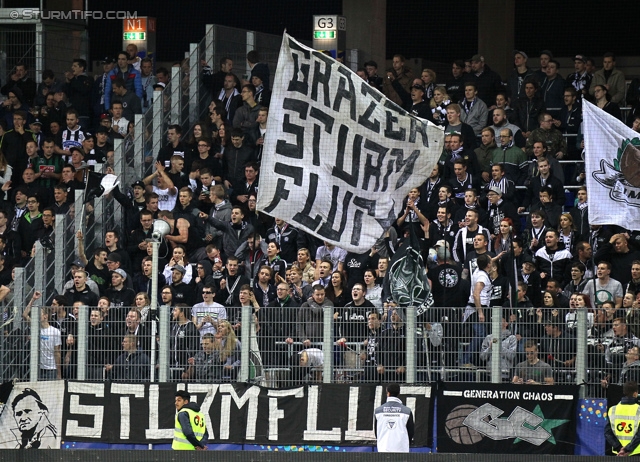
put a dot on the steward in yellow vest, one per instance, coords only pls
(621, 431)
(190, 430)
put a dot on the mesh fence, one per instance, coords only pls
(289, 346)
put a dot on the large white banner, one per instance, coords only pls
(32, 417)
(339, 157)
(612, 167)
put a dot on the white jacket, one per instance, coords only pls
(394, 426)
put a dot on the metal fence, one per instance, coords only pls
(51, 45)
(140, 344)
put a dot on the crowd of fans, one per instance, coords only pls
(495, 225)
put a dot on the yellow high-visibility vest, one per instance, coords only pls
(196, 419)
(624, 420)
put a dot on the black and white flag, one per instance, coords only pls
(342, 157)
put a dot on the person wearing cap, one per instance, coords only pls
(260, 75)
(102, 147)
(580, 79)
(418, 106)
(515, 82)
(488, 82)
(611, 78)
(190, 428)
(100, 85)
(474, 110)
(414, 99)
(130, 75)
(398, 72)
(79, 265)
(182, 292)
(121, 297)
(36, 127)
(371, 67)
(114, 262)
(500, 209)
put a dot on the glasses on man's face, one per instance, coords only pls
(31, 202)
(206, 292)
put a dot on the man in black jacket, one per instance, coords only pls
(132, 365)
(99, 346)
(78, 89)
(277, 324)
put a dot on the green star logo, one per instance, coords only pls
(546, 424)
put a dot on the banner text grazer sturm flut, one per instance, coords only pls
(339, 157)
(235, 412)
(506, 419)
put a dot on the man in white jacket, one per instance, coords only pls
(394, 423)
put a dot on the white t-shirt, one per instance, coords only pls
(485, 296)
(49, 339)
(215, 310)
(166, 201)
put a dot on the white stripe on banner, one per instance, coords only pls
(343, 156)
(612, 167)
(451, 393)
(565, 397)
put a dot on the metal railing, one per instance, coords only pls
(402, 349)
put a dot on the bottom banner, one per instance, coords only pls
(506, 419)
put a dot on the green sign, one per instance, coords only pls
(324, 34)
(134, 36)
